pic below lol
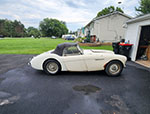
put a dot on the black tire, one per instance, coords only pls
(114, 68)
(52, 67)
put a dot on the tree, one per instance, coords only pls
(5, 27)
(109, 10)
(52, 27)
(10, 28)
(31, 31)
(119, 10)
(17, 29)
(144, 7)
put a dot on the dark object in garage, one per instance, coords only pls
(144, 43)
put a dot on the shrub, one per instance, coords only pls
(81, 40)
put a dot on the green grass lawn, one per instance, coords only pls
(34, 46)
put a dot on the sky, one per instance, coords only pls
(76, 13)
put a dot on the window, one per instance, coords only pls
(71, 51)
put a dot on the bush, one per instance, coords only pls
(81, 40)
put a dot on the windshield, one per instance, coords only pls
(73, 50)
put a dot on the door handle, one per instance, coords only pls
(99, 59)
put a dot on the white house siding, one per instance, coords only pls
(80, 32)
(90, 28)
(133, 35)
(110, 28)
(87, 29)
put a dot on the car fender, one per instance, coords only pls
(38, 61)
(57, 58)
(115, 57)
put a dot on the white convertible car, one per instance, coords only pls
(70, 57)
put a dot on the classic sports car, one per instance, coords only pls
(70, 57)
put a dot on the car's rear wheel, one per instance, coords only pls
(114, 68)
(51, 67)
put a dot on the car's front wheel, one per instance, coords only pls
(114, 68)
(51, 67)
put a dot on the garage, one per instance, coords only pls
(138, 34)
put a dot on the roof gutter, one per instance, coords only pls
(138, 19)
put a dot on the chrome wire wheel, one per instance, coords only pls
(114, 69)
(52, 67)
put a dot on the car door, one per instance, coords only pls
(73, 59)
(94, 62)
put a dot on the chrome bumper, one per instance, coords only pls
(29, 63)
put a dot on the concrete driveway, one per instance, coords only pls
(24, 90)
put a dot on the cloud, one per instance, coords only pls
(76, 13)
(75, 3)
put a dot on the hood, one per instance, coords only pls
(97, 51)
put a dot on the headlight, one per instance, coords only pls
(29, 63)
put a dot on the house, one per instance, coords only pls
(138, 34)
(80, 32)
(89, 28)
(108, 28)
